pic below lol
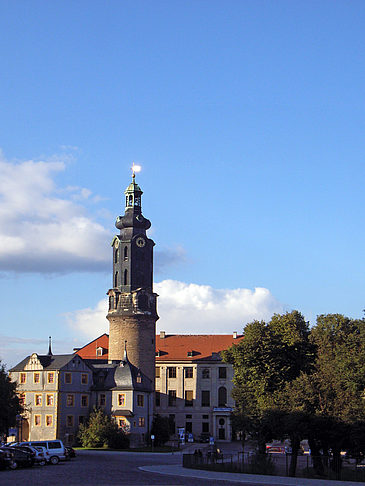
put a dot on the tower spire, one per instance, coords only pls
(132, 310)
(49, 346)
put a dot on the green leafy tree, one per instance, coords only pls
(270, 356)
(102, 431)
(9, 402)
(339, 378)
(338, 383)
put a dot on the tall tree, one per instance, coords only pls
(270, 356)
(9, 402)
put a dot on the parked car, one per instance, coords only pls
(55, 448)
(38, 454)
(70, 452)
(20, 457)
(6, 458)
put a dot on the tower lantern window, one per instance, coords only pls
(137, 201)
(130, 200)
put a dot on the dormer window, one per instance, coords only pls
(190, 354)
(139, 378)
(158, 354)
(99, 351)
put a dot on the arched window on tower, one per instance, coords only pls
(125, 253)
(130, 200)
(116, 279)
(116, 255)
(222, 396)
(125, 277)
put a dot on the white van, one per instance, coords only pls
(55, 450)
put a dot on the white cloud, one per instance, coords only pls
(190, 308)
(43, 228)
(90, 322)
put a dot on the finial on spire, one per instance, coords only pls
(135, 168)
(50, 346)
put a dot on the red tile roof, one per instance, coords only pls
(173, 347)
(89, 350)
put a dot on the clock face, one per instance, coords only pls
(140, 242)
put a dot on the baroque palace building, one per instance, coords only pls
(130, 373)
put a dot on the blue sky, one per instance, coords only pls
(248, 120)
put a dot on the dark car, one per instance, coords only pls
(6, 458)
(70, 452)
(20, 457)
(204, 437)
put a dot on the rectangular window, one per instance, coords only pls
(222, 373)
(68, 378)
(84, 400)
(141, 422)
(69, 421)
(70, 401)
(102, 400)
(82, 419)
(172, 372)
(188, 398)
(157, 398)
(158, 375)
(49, 420)
(49, 400)
(188, 372)
(23, 378)
(84, 378)
(121, 399)
(122, 422)
(205, 427)
(37, 420)
(140, 400)
(205, 373)
(50, 377)
(38, 400)
(205, 417)
(36, 377)
(205, 398)
(189, 427)
(172, 398)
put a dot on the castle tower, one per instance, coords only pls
(132, 312)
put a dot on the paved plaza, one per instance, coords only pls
(107, 468)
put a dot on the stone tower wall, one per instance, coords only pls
(140, 333)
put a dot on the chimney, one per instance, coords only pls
(234, 334)
(162, 334)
